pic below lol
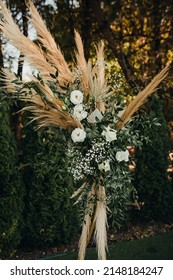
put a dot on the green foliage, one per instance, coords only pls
(151, 178)
(119, 183)
(50, 217)
(11, 188)
(96, 159)
(119, 190)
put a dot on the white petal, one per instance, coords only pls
(96, 114)
(76, 97)
(78, 135)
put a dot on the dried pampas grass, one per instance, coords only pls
(47, 117)
(98, 211)
(7, 79)
(83, 242)
(53, 54)
(47, 113)
(31, 51)
(100, 233)
(97, 82)
(82, 67)
(100, 230)
(48, 93)
(141, 97)
(83, 237)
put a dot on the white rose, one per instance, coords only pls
(79, 112)
(78, 135)
(104, 166)
(122, 156)
(110, 134)
(96, 114)
(76, 97)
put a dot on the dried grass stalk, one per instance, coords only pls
(83, 237)
(50, 96)
(86, 224)
(101, 87)
(100, 63)
(47, 113)
(54, 54)
(96, 75)
(31, 51)
(79, 190)
(49, 117)
(81, 63)
(141, 97)
(101, 224)
(6, 78)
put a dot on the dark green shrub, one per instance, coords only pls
(151, 178)
(50, 217)
(11, 188)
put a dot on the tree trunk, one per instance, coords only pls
(86, 26)
(1, 56)
(16, 117)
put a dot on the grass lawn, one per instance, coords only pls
(158, 247)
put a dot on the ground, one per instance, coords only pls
(139, 231)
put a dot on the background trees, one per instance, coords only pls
(151, 178)
(50, 217)
(138, 35)
(11, 187)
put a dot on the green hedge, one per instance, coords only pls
(151, 178)
(50, 217)
(11, 188)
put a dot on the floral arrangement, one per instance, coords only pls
(79, 101)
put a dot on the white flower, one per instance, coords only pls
(96, 114)
(78, 135)
(76, 97)
(79, 112)
(104, 166)
(122, 156)
(110, 134)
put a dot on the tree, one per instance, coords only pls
(50, 217)
(11, 190)
(137, 34)
(11, 185)
(151, 177)
(19, 12)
